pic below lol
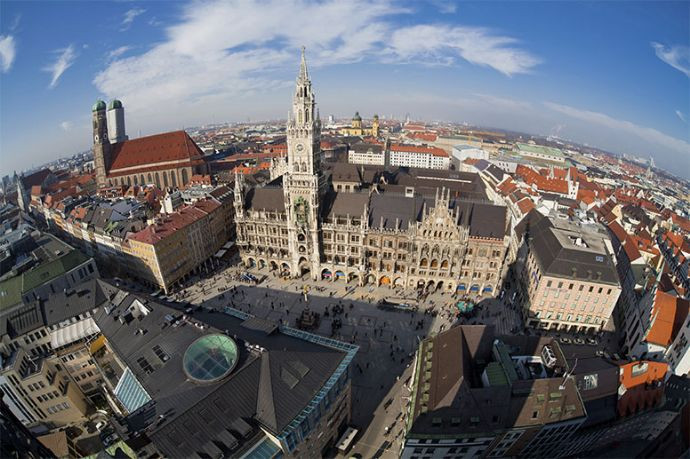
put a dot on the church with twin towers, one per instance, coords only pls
(411, 229)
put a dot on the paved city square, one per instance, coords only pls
(387, 339)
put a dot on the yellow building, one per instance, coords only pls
(357, 129)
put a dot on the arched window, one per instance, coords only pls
(185, 178)
(423, 263)
(173, 178)
(129, 181)
(158, 180)
(150, 179)
(136, 181)
(141, 177)
(165, 179)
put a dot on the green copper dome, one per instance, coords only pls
(357, 117)
(99, 105)
(114, 104)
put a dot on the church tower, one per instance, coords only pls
(304, 183)
(101, 144)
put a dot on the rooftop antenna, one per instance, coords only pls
(567, 375)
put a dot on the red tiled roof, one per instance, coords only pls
(643, 389)
(507, 186)
(427, 136)
(174, 222)
(36, 178)
(525, 205)
(668, 315)
(532, 177)
(419, 149)
(146, 152)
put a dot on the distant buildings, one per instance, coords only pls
(356, 129)
(540, 153)
(462, 152)
(398, 155)
(367, 154)
(418, 156)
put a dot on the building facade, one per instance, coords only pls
(418, 156)
(568, 278)
(356, 129)
(166, 160)
(400, 237)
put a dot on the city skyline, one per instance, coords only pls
(460, 62)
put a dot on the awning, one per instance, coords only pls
(220, 253)
(97, 344)
(73, 332)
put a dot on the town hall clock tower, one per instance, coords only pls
(304, 183)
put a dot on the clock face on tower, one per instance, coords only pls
(299, 147)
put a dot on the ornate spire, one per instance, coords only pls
(303, 73)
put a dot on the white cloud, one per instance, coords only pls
(8, 50)
(117, 52)
(681, 115)
(130, 16)
(15, 22)
(677, 57)
(648, 134)
(445, 6)
(202, 59)
(64, 61)
(443, 44)
(66, 125)
(504, 103)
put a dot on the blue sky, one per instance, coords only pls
(609, 74)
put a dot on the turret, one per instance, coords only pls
(116, 122)
(357, 121)
(101, 145)
(375, 126)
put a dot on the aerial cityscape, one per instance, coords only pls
(186, 273)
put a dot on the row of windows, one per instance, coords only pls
(59, 407)
(580, 288)
(47, 396)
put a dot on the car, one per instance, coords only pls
(109, 440)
